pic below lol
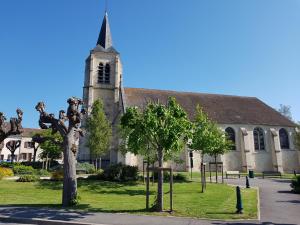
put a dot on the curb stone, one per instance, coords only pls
(42, 221)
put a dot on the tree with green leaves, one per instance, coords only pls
(99, 132)
(220, 144)
(51, 146)
(159, 127)
(207, 138)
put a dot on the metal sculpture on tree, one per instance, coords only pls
(70, 137)
(14, 127)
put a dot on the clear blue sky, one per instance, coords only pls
(248, 48)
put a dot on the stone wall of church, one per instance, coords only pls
(245, 156)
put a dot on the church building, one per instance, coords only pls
(263, 138)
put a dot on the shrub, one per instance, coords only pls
(89, 168)
(57, 175)
(113, 172)
(98, 176)
(296, 184)
(117, 172)
(21, 169)
(6, 164)
(5, 172)
(176, 177)
(43, 173)
(129, 173)
(27, 178)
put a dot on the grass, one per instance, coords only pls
(218, 202)
(196, 175)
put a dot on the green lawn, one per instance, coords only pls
(218, 202)
(196, 175)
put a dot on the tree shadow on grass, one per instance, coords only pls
(52, 185)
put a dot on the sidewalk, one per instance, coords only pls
(278, 207)
(45, 216)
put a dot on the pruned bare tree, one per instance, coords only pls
(12, 146)
(70, 135)
(14, 127)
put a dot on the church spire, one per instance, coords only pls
(104, 38)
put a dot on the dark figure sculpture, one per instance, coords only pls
(12, 128)
(70, 137)
(12, 146)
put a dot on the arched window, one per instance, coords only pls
(259, 139)
(101, 73)
(230, 134)
(284, 139)
(107, 74)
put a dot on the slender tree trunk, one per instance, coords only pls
(160, 181)
(202, 174)
(34, 154)
(70, 182)
(216, 168)
(95, 162)
(100, 162)
(47, 162)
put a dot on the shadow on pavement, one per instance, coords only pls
(42, 213)
(291, 201)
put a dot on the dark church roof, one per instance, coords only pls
(223, 109)
(105, 39)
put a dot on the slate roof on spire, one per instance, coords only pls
(104, 43)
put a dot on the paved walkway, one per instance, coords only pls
(278, 207)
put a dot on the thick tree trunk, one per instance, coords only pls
(70, 181)
(12, 157)
(160, 180)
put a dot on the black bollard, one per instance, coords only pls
(239, 204)
(247, 182)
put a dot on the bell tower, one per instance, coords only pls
(103, 72)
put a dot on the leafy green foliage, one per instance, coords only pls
(159, 131)
(28, 178)
(179, 177)
(158, 126)
(8, 164)
(89, 168)
(296, 184)
(207, 137)
(99, 131)
(42, 173)
(117, 172)
(21, 169)
(120, 172)
(52, 146)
